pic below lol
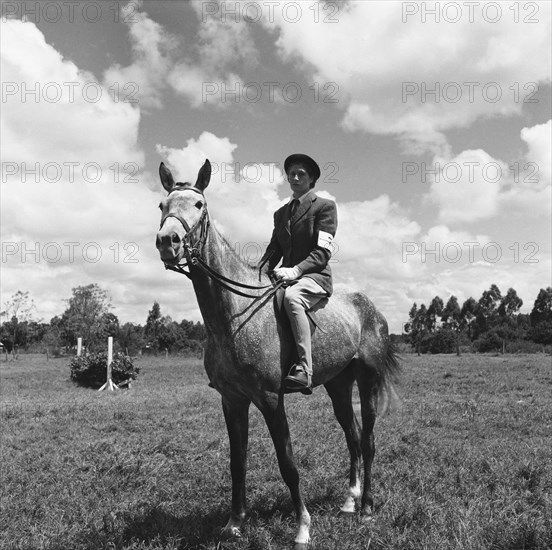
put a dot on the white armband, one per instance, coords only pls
(325, 240)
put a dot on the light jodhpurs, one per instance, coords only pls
(299, 297)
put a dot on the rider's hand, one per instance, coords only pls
(287, 273)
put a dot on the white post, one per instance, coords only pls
(109, 355)
(109, 384)
(79, 346)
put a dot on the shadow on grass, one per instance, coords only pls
(199, 529)
(195, 530)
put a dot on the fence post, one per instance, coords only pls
(109, 385)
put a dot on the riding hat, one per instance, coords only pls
(308, 162)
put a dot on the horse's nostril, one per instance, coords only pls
(172, 240)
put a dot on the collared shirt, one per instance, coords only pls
(302, 198)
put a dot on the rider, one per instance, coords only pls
(303, 232)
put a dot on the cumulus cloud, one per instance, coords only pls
(202, 74)
(468, 69)
(152, 49)
(466, 187)
(210, 74)
(530, 182)
(473, 185)
(46, 93)
(74, 205)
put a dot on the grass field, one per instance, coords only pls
(466, 463)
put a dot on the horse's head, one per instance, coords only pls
(184, 218)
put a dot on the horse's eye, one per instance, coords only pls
(160, 206)
(198, 204)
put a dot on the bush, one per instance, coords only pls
(542, 333)
(489, 341)
(525, 346)
(441, 341)
(91, 370)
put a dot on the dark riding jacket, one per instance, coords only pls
(304, 241)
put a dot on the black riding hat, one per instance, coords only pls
(309, 163)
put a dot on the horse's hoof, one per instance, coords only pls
(347, 510)
(301, 546)
(232, 533)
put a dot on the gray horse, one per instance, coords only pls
(248, 352)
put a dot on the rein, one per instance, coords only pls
(193, 252)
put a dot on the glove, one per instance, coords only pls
(287, 273)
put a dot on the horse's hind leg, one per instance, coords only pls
(340, 390)
(365, 375)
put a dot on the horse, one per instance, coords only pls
(248, 353)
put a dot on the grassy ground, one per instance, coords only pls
(466, 463)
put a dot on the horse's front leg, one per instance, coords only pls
(237, 423)
(276, 420)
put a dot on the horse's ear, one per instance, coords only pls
(166, 177)
(204, 176)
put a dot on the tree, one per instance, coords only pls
(153, 326)
(451, 317)
(108, 326)
(416, 327)
(541, 317)
(83, 317)
(542, 308)
(468, 314)
(433, 311)
(131, 338)
(510, 304)
(487, 309)
(19, 311)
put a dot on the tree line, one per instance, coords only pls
(88, 315)
(492, 323)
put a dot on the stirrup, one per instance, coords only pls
(298, 380)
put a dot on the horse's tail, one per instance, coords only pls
(390, 371)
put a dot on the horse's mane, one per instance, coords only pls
(230, 250)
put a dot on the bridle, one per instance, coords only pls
(193, 252)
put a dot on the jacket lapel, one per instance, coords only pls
(303, 208)
(282, 219)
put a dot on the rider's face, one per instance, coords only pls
(299, 179)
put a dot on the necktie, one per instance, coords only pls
(294, 206)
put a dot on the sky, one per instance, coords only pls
(431, 123)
